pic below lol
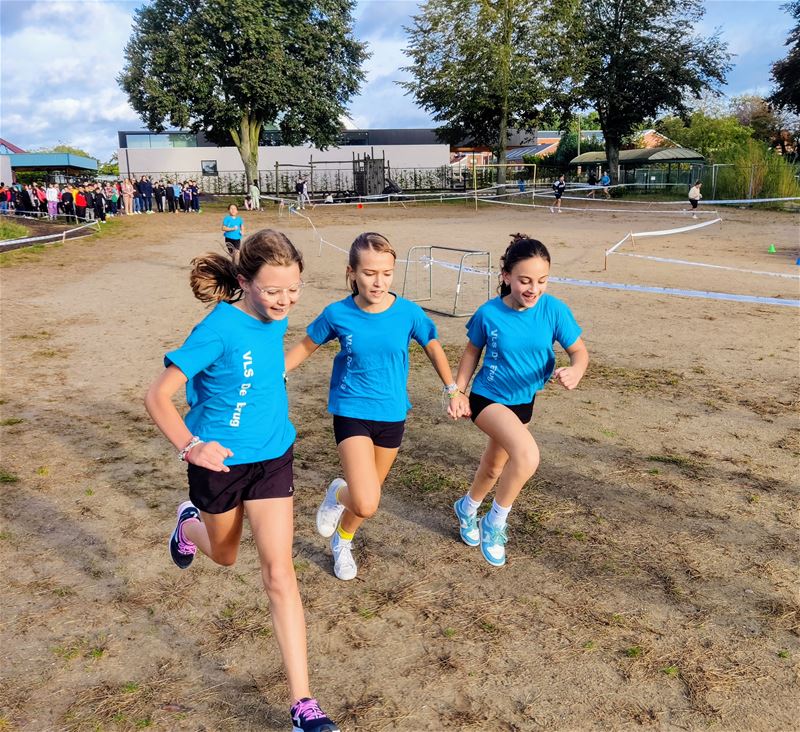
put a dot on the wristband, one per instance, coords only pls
(192, 443)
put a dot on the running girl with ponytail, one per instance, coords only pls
(368, 396)
(237, 438)
(515, 332)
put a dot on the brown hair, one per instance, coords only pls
(367, 240)
(214, 276)
(521, 247)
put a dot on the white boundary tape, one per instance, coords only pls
(13, 243)
(703, 294)
(710, 266)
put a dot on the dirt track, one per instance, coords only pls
(652, 575)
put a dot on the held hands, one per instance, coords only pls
(568, 376)
(209, 455)
(458, 406)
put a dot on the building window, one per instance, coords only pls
(168, 139)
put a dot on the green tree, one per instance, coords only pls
(478, 67)
(712, 137)
(111, 167)
(786, 72)
(227, 67)
(638, 58)
(762, 117)
(62, 148)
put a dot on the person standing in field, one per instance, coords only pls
(255, 196)
(695, 196)
(233, 229)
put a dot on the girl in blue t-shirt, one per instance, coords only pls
(368, 396)
(237, 438)
(515, 332)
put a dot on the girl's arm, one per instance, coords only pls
(569, 376)
(467, 365)
(158, 402)
(457, 403)
(299, 352)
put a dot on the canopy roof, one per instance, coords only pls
(52, 161)
(643, 155)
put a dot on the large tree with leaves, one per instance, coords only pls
(477, 66)
(786, 72)
(638, 58)
(227, 67)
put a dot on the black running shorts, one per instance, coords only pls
(382, 434)
(478, 403)
(215, 492)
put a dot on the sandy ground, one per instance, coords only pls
(652, 578)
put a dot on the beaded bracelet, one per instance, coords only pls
(192, 443)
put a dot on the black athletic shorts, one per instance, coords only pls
(215, 492)
(382, 434)
(478, 403)
(693, 201)
(558, 195)
(232, 244)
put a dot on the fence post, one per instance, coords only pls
(277, 185)
(752, 173)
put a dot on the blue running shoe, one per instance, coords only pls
(467, 524)
(493, 542)
(308, 717)
(182, 550)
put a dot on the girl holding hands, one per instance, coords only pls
(368, 396)
(515, 332)
(237, 438)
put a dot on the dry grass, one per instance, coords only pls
(130, 705)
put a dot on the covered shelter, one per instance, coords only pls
(53, 166)
(649, 166)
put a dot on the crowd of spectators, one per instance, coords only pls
(91, 200)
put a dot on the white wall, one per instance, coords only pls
(186, 160)
(5, 170)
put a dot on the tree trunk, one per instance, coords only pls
(505, 82)
(246, 141)
(612, 156)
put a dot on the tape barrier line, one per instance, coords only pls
(667, 232)
(736, 202)
(13, 243)
(593, 209)
(710, 266)
(429, 261)
(703, 294)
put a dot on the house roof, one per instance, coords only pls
(643, 155)
(519, 152)
(7, 147)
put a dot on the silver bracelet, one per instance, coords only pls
(192, 443)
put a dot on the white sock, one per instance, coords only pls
(498, 514)
(471, 506)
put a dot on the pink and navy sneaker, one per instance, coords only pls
(308, 717)
(180, 548)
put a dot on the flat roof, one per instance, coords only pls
(56, 161)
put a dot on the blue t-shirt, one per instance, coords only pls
(236, 393)
(233, 221)
(370, 371)
(518, 354)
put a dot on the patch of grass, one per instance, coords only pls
(236, 621)
(367, 613)
(67, 652)
(301, 565)
(7, 476)
(608, 433)
(753, 498)
(38, 336)
(634, 652)
(48, 353)
(679, 461)
(653, 471)
(43, 470)
(589, 645)
(579, 535)
(783, 653)
(11, 230)
(11, 420)
(670, 670)
(89, 492)
(449, 632)
(4, 535)
(426, 478)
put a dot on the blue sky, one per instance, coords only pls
(59, 61)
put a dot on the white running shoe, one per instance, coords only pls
(330, 510)
(344, 566)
